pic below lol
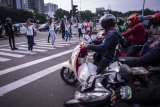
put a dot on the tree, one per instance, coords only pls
(60, 13)
(87, 14)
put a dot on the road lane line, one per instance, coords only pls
(26, 80)
(4, 59)
(12, 69)
(15, 51)
(22, 42)
(11, 55)
(37, 50)
(41, 47)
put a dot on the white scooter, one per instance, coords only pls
(77, 68)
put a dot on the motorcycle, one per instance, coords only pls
(96, 91)
(76, 64)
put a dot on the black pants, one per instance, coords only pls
(63, 34)
(48, 37)
(102, 64)
(80, 32)
(133, 50)
(30, 42)
(12, 42)
(151, 58)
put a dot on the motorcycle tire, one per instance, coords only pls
(68, 77)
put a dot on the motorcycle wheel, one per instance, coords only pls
(68, 76)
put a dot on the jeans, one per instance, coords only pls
(68, 35)
(30, 42)
(53, 36)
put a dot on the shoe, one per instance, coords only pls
(32, 52)
(15, 48)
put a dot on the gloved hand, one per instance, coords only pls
(124, 93)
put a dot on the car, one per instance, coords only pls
(19, 29)
(43, 27)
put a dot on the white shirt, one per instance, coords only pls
(30, 30)
(80, 25)
(67, 28)
(51, 27)
(88, 38)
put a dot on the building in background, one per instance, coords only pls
(6, 3)
(50, 9)
(100, 9)
(17, 4)
(35, 5)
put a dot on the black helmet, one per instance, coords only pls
(108, 20)
(120, 21)
(8, 19)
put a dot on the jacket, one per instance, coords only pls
(107, 47)
(136, 34)
(8, 29)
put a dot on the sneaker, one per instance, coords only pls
(28, 52)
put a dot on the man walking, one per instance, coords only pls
(10, 33)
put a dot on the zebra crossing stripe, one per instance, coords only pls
(12, 69)
(41, 47)
(4, 59)
(26, 80)
(15, 51)
(37, 50)
(11, 55)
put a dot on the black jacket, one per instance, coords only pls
(8, 29)
(108, 44)
(149, 96)
(62, 27)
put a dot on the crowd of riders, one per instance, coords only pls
(139, 48)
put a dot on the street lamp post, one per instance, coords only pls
(143, 7)
(72, 9)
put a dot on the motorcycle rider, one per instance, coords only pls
(107, 46)
(136, 34)
(10, 33)
(151, 50)
(121, 24)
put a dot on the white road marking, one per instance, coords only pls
(37, 50)
(15, 51)
(12, 69)
(4, 59)
(11, 55)
(26, 80)
(41, 47)
(21, 42)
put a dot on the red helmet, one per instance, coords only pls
(133, 19)
(156, 19)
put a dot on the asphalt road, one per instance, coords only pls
(34, 80)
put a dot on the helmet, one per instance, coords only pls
(8, 19)
(108, 20)
(120, 21)
(155, 19)
(134, 19)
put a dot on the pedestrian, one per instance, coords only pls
(90, 24)
(30, 35)
(88, 37)
(63, 29)
(67, 31)
(51, 30)
(9, 32)
(49, 37)
(80, 29)
(85, 25)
